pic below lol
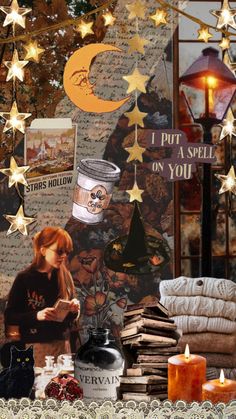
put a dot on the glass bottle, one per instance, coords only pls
(98, 366)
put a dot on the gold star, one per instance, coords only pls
(136, 9)
(15, 173)
(16, 120)
(159, 17)
(135, 193)
(14, 14)
(225, 16)
(135, 117)
(18, 222)
(224, 44)
(204, 34)
(228, 181)
(109, 19)
(85, 28)
(137, 44)
(136, 81)
(135, 152)
(15, 67)
(228, 128)
(33, 51)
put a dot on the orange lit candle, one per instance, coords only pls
(219, 390)
(186, 374)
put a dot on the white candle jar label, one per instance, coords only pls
(92, 194)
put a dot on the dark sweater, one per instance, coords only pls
(31, 292)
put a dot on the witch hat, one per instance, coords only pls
(136, 253)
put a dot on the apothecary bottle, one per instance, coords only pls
(98, 366)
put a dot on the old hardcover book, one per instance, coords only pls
(150, 323)
(146, 379)
(140, 371)
(163, 365)
(139, 329)
(138, 317)
(155, 308)
(152, 358)
(144, 397)
(144, 388)
(144, 337)
(171, 350)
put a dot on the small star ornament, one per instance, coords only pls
(19, 222)
(15, 173)
(135, 193)
(33, 51)
(224, 44)
(204, 34)
(228, 182)
(135, 117)
(135, 152)
(137, 44)
(15, 67)
(225, 16)
(136, 9)
(14, 119)
(14, 14)
(85, 28)
(136, 81)
(159, 17)
(109, 19)
(228, 128)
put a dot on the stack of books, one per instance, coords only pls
(149, 338)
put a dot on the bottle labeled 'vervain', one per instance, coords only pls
(98, 366)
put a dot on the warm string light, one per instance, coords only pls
(225, 16)
(109, 19)
(159, 17)
(85, 28)
(228, 182)
(15, 120)
(204, 34)
(33, 51)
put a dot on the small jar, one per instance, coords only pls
(98, 366)
(93, 191)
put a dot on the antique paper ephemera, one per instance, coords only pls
(50, 152)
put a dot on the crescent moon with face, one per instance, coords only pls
(76, 80)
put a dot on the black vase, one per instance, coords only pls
(98, 366)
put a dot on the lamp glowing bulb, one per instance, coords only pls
(187, 352)
(211, 81)
(222, 377)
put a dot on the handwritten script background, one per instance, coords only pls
(54, 207)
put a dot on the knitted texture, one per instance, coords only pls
(199, 306)
(192, 324)
(208, 342)
(209, 287)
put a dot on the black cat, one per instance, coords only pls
(17, 380)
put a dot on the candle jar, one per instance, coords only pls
(92, 194)
(217, 392)
(98, 366)
(185, 377)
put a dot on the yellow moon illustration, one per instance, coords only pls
(76, 80)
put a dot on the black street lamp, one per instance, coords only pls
(208, 87)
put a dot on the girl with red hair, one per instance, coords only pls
(36, 290)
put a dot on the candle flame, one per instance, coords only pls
(187, 352)
(222, 377)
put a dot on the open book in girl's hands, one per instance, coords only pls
(62, 308)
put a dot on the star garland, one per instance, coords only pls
(136, 82)
(15, 120)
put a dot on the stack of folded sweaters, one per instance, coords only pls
(205, 310)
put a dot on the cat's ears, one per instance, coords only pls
(13, 349)
(30, 348)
